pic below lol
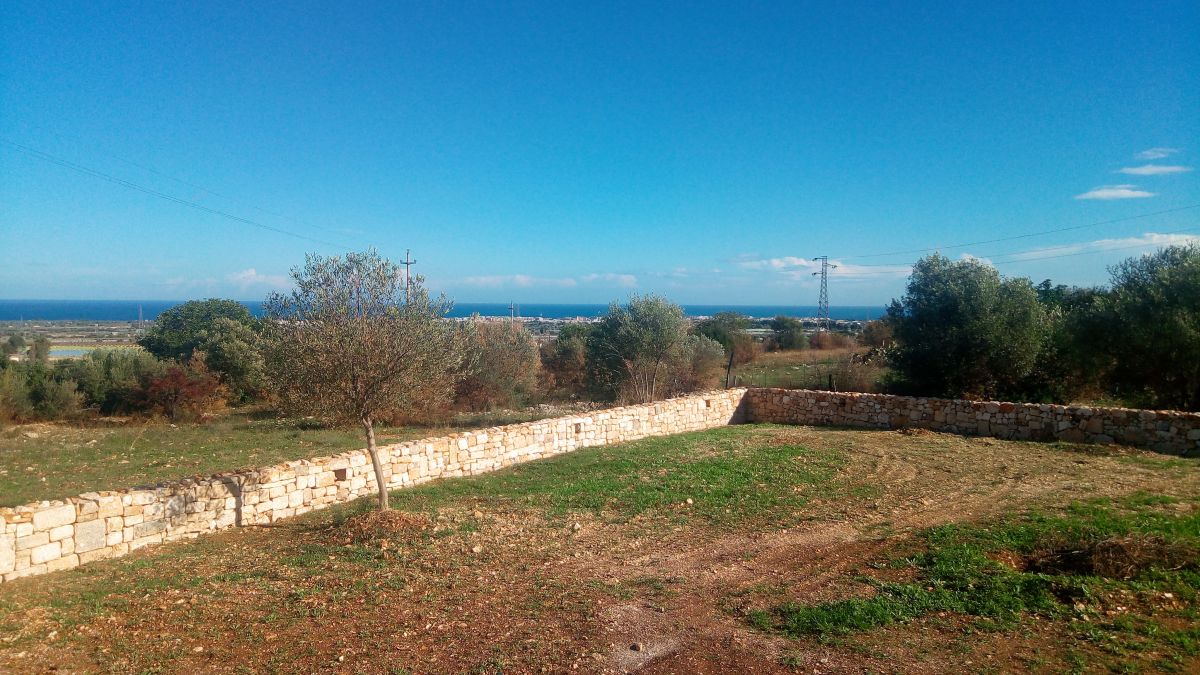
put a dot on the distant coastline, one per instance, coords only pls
(127, 310)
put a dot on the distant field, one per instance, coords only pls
(51, 460)
(810, 369)
(754, 548)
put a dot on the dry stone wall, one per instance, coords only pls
(1163, 430)
(54, 535)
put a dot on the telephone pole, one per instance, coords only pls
(823, 303)
(512, 313)
(408, 262)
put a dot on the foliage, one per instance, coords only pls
(1153, 316)
(504, 367)
(112, 380)
(564, 362)
(628, 352)
(876, 334)
(180, 330)
(963, 331)
(697, 365)
(729, 329)
(187, 392)
(828, 339)
(39, 350)
(234, 350)
(789, 333)
(354, 342)
(29, 391)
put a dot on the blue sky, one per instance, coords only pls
(578, 152)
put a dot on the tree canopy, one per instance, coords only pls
(354, 342)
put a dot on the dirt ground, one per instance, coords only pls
(517, 589)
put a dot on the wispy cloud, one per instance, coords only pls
(1148, 241)
(250, 278)
(516, 281)
(802, 269)
(529, 281)
(1115, 192)
(1156, 153)
(626, 280)
(1154, 170)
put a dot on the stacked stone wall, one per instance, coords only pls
(53, 535)
(1162, 430)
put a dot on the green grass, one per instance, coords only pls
(62, 461)
(730, 476)
(957, 572)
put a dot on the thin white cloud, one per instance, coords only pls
(984, 261)
(1154, 170)
(249, 278)
(1148, 241)
(802, 269)
(516, 281)
(1156, 153)
(1106, 192)
(626, 280)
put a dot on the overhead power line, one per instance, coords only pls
(161, 195)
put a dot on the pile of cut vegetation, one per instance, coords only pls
(382, 528)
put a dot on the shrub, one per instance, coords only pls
(504, 367)
(187, 392)
(697, 365)
(564, 362)
(830, 340)
(963, 331)
(789, 333)
(629, 351)
(112, 380)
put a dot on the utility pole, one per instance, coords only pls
(408, 262)
(512, 313)
(823, 303)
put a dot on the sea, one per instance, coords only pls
(127, 310)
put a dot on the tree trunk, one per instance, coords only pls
(369, 427)
(729, 367)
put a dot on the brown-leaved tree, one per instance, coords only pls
(354, 342)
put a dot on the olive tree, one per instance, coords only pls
(351, 343)
(1152, 316)
(962, 330)
(629, 352)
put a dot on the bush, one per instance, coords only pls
(564, 362)
(789, 333)
(504, 370)
(224, 330)
(628, 352)
(963, 331)
(187, 392)
(112, 380)
(698, 365)
(830, 340)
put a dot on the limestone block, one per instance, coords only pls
(62, 532)
(8, 553)
(64, 563)
(53, 517)
(44, 553)
(33, 541)
(89, 536)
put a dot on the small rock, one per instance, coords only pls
(478, 514)
(476, 549)
(341, 657)
(689, 501)
(637, 647)
(576, 527)
(198, 649)
(31, 434)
